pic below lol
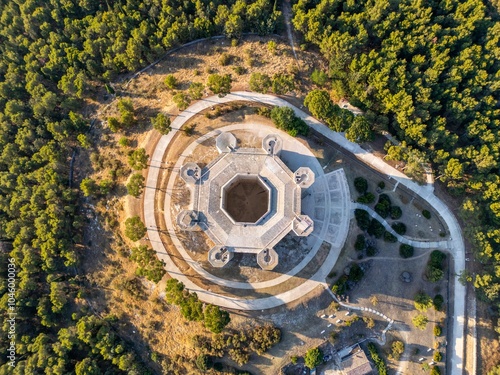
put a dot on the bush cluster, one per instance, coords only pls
(377, 360)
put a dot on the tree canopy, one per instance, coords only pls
(428, 73)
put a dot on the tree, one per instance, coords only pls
(126, 109)
(319, 77)
(134, 228)
(423, 302)
(161, 123)
(420, 321)
(437, 302)
(138, 159)
(215, 318)
(435, 371)
(360, 243)
(170, 81)
(181, 100)
(374, 300)
(437, 330)
(319, 104)
(87, 367)
(360, 130)
(282, 83)
(397, 348)
(361, 185)
(148, 264)
(174, 291)
(203, 362)
(263, 338)
(259, 82)
(57, 296)
(284, 118)
(195, 90)
(405, 251)
(219, 84)
(313, 357)
(363, 219)
(135, 185)
(114, 124)
(399, 228)
(88, 187)
(84, 141)
(396, 212)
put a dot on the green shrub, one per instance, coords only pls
(161, 123)
(219, 84)
(272, 46)
(134, 228)
(399, 228)
(294, 359)
(376, 229)
(397, 348)
(381, 185)
(181, 100)
(435, 265)
(406, 251)
(224, 59)
(313, 357)
(420, 321)
(356, 273)
(170, 81)
(319, 77)
(124, 142)
(340, 286)
(435, 371)
(383, 207)
(284, 118)
(371, 250)
(437, 330)
(363, 219)
(239, 70)
(148, 264)
(437, 357)
(422, 302)
(136, 185)
(377, 360)
(366, 198)
(438, 301)
(389, 237)
(426, 214)
(361, 185)
(396, 212)
(282, 83)
(360, 243)
(195, 90)
(259, 82)
(203, 362)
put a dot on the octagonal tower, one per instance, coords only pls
(246, 200)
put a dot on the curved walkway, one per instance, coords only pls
(381, 341)
(406, 240)
(455, 242)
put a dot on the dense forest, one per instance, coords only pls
(429, 72)
(53, 55)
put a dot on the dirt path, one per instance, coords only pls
(287, 15)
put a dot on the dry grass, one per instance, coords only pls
(146, 320)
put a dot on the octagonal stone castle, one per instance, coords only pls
(246, 200)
